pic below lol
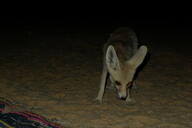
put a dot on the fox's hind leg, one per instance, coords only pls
(112, 84)
(135, 85)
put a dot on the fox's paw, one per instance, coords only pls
(98, 100)
(130, 101)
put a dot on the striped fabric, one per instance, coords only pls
(23, 119)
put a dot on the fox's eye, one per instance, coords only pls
(117, 83)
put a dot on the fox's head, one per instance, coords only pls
(122, 73)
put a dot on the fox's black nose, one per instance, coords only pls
(123, 98)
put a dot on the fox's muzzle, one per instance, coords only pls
(123, 95)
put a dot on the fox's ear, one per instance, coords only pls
(112, 60)
(138, 58)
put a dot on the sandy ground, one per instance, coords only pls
(59, 78)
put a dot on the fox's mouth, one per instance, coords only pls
(123, 98)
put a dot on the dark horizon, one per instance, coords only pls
(94, 22)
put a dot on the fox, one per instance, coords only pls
(122, 56)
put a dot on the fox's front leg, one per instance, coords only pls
(129, 99)
(102, 85)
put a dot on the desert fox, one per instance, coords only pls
(120, 61)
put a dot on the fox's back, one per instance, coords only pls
(124, 40)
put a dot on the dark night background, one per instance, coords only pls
(16, 28)
(21, 29)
